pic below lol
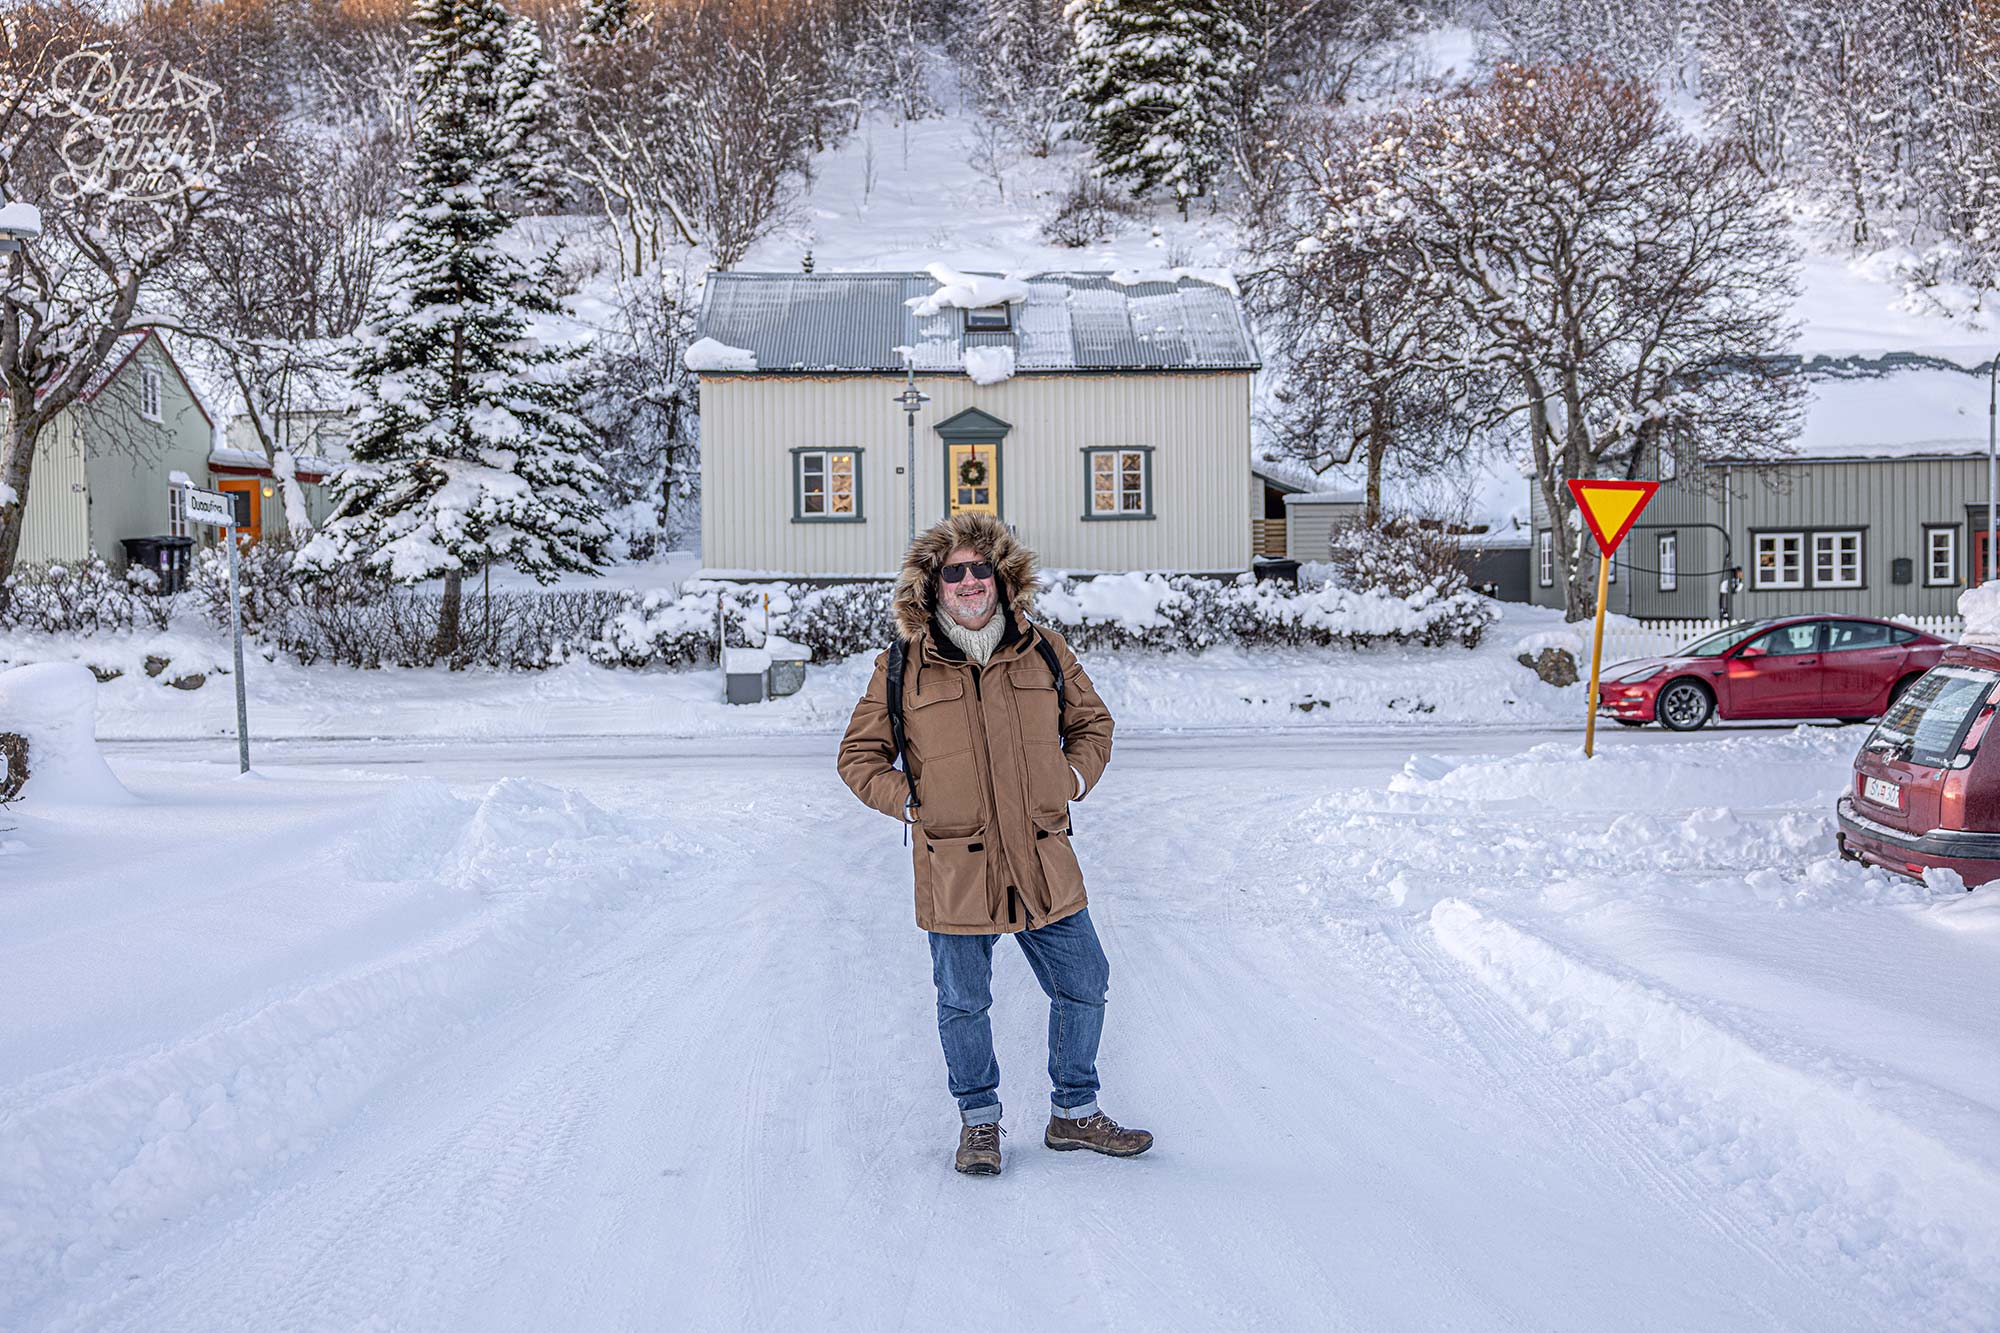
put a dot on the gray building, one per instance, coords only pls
(1880, 512)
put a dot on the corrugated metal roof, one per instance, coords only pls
(797, 322)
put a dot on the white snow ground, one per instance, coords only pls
(640, 1034)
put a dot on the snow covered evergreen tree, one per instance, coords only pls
(1155, 80)
(467, 449)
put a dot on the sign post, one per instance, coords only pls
(1610, 508)
(217, 510)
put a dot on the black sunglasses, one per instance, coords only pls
(979, 569)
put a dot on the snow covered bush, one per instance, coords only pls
(1181, 613)
(1398, 556)
(83, 597)
(839, 621)
(1090, 211)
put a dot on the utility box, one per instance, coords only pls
(788, 666)
(743, 673)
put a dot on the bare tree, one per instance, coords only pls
(696, 125)
(1625, 287)
(120, 168)
(1347, 330)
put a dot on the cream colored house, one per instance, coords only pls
(1104, 417)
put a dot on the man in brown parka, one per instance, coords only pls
(995, 753)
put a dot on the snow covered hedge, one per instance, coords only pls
(84, 597)
(365, 622)
(1181, 613)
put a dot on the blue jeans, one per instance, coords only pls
(1074, 973)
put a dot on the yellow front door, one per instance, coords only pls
(974, 479)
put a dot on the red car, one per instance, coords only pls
(1791, 667)
(1926, 789)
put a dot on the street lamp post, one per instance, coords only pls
(912, 400)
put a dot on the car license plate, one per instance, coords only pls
(1883, 793)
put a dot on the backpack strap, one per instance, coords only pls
(899, 653)
(1055, 669)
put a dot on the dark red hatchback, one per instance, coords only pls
(1846, 667)
(1926, 785)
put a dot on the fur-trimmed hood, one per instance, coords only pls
(1013, 568)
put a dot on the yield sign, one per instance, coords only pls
(1611, 507)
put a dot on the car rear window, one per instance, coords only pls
(1927, 723)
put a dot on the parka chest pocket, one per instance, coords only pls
(1035, 701)
(935, 718)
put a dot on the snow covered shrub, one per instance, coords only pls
(1181, 613)
(79, 598)
(841, 620)
(150, 597)
(1089, 211)
(271, 591)
(1398, 557)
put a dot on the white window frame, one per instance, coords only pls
(152, 383)
(1119, 491)
(177, 522)
(1545, 558)
(1949, 556)
(802, 459)
(1669, 562)
(1776, 542)
(1835, 541)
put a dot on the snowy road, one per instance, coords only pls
(640, 1035)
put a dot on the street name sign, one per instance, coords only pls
(213, 508)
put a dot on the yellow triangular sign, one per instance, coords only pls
(1611, 507)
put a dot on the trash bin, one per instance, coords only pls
(1274, 568)
(788, 665)
(169, 557)
(743, 671)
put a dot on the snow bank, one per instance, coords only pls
(1980, 608)
(1819, 1148)
(989, 365)
(99, 1159)
(1136, 601)
(54, 705)
(966, 291)
(708, 354)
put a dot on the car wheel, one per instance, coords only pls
(1685, 705)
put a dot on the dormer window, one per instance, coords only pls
(988, 319)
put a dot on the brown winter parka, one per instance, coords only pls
(994, 773)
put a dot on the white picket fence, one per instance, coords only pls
(1658, 638)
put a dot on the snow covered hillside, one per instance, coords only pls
(394, 1036)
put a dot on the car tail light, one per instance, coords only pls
(1977, 731)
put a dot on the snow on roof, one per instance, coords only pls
(708, 354)
(792, 322)
(1855, 311)
(1909, 411)
(966, 291)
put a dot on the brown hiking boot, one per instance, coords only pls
(979, 1149)
(1097, 1132)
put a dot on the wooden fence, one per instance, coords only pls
(1659, 638)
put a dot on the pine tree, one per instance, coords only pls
(1155, 79)
(1020, 55)
(604, 21)
(467, 448)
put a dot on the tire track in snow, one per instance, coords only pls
(1869, 1194)
(1548, 1087)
